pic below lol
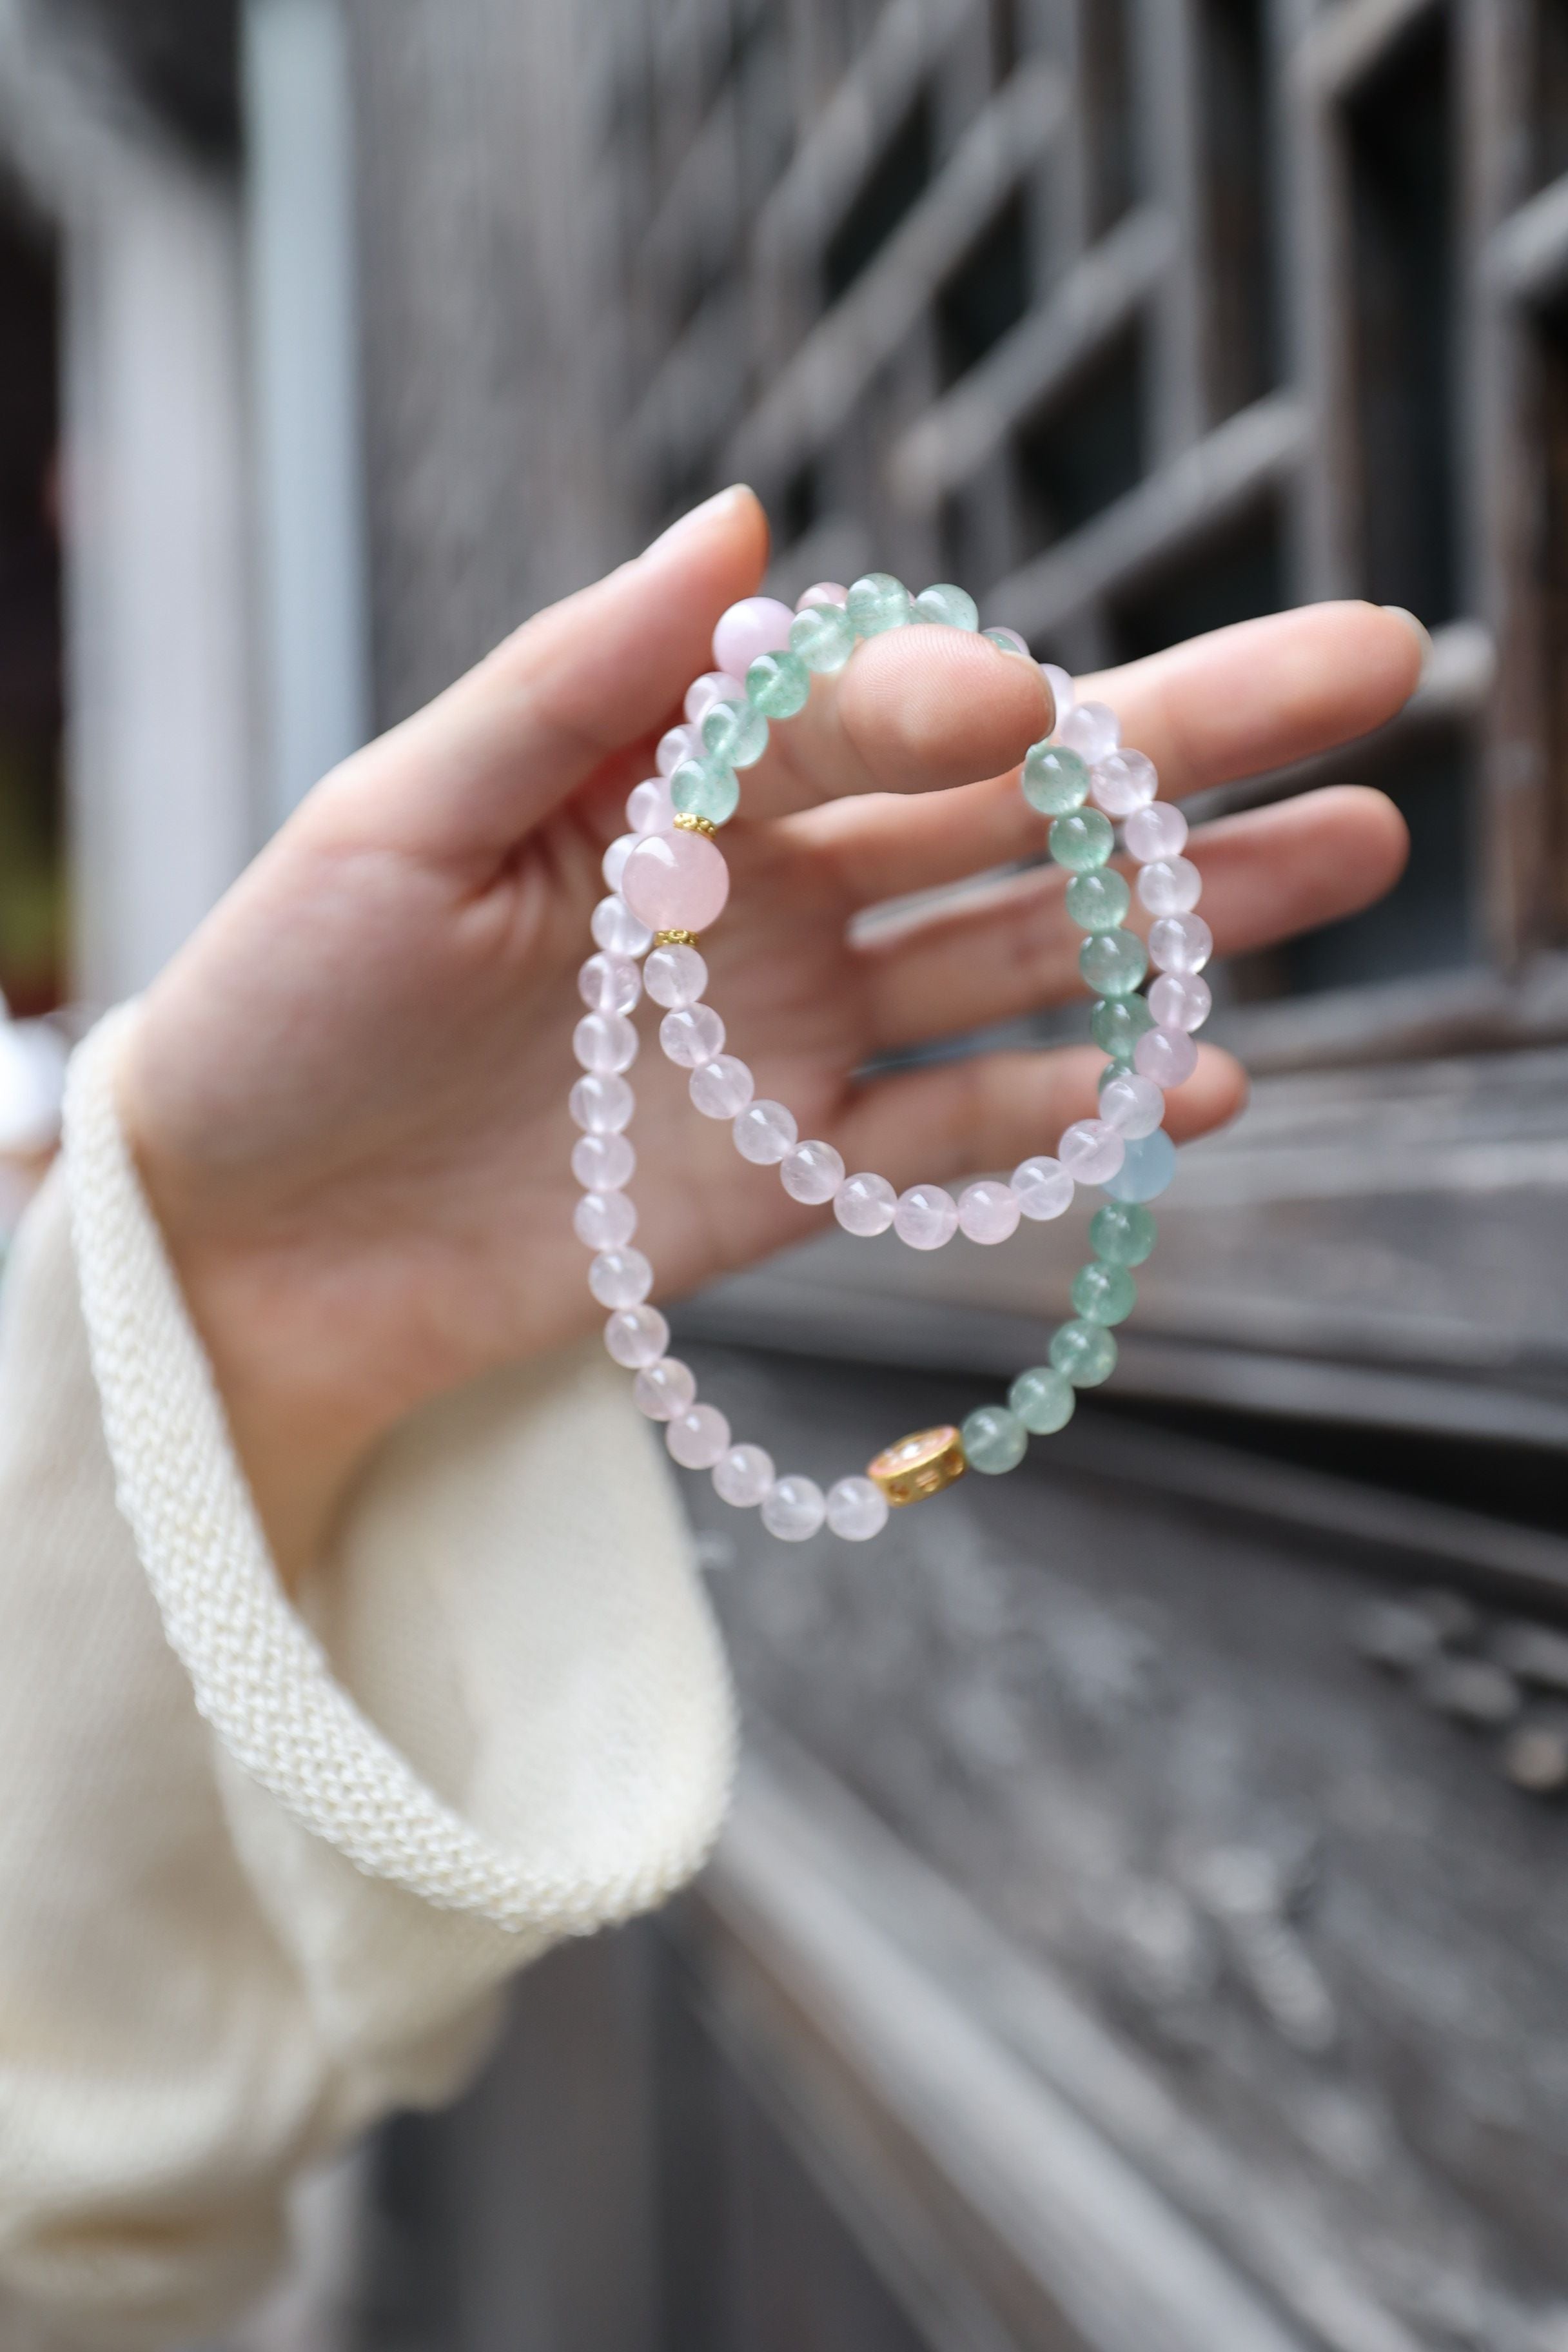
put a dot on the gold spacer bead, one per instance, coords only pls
(919, 1466)
(675, 939)
(696, 825)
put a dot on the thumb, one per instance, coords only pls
(476, 768)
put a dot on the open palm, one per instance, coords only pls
(347, 1094)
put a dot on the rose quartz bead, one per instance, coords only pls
(764, 1132)
(698, 1438)
(1042, 1189)
(603, 1163)
(822, 591)
(618, 932)
(620, 1277)
(1063, 692)
(675, 881)
(925, 1217)
(1170, 885)
(614, 863)
(1157, 831)
(713, 686)
(1124, 781)
(756, 626)
(1181, 1000)
(811, 1173)
(1169, 1056)
(1134, 1106)
(793, 1509)
(856, 1510)
(605, 1041)
(988, 1212)
(720, 1087)
(691, 1036)
(601, 1105)
(864, 1205)
(675, 976)
(1090, 1150)
(662, 1389)
(1091, 730)
(742, 1477)
(604, 1220)
(676, 744)
(609, 984)
(636, 1336)
(650, 808)
(1180, 943)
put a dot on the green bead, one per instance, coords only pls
(1084, 1353)
(1003, 643)
(1104, 1294)
(706, 788)
(1043, 1399)
(954, 608)
(735, 733)
(1097, 902)
(994, 1440)
(1117, 1023)
(823, 637)
(1083, 841)
(778, 685)
(1056, 780)
(1113, 962)
(878, 601)
(1123, 1232)
(1114, 1070)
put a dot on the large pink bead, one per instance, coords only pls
(757, 624)
(676, 881)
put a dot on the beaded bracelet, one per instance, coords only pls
(669, 882)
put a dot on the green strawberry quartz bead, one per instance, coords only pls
(1083, 841)
(823, 637)
(1043, 1399)
(1104, 1294)
(778, 685)
(1084, 1353)
(1055, 779)
(706, 788)
(1097, 902)
(954, 608)
(735, 733)
(1112, 962)
(878, 601)
(1117, 1023)
(1123, 1232)
(994, 1440)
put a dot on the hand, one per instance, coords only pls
(347, 1094)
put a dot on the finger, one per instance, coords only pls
(916, 710)
(1013, 948)
(472, 772)
(1239, 703)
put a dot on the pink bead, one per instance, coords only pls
(864, 1204)
(1064, 694)
(636, 1336)
(757, 625)
(604, 1220)
(691, 1036)
(713, 686)
(614, 864)
(926, 1217)
(1170, 885)
(988, 1212)
(676, 881)
(1091, 730)
(742, 1477)
(1180, 943)
(678, 743)
(1157, 831)
(1124, 781)
(650, 808)
(1044, 1189)
(698, 1438)
(812, 1172)
(1169, 1056)
(1090, 1150)
(1134, 1106)
(609, 984)
(822, 591)
(664, 1387)
(1181, 1000)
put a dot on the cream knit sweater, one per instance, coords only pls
(262, 1871)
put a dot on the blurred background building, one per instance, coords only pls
(1145, 1921)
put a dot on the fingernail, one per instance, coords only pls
(1422, 633)
(700, 517)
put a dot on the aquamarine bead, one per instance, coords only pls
(778, 685)
(1055, 779)
(706, 788)
(1147, 1167)
(878, 601)
(1043, 1399)
(1122, 1232)
(994, 1440)
(1082, 841)
(1117, 1023)
(1113, 962)
(735, 733)
(1098, 901)
(823, 637)
(1104, 1294)
(954, 608)
(1083, 1353)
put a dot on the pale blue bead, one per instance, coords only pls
(707, 788)
(955, 608)
(1147, 1167)
(878, 601)
(735, 733)
(823, 637)
(994, 1440)
(778, 685)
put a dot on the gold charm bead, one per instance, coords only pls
(919, 1466)
(675, 939)
(696, 825)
